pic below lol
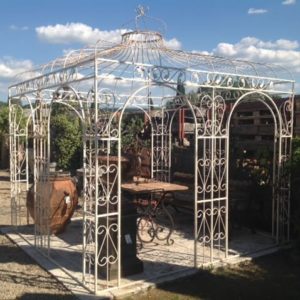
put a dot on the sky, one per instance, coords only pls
(34, 32)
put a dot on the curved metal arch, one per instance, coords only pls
(32, 110)
(15, 121)
(122, 110)
(277, 117)
(114, 114)
(17, 164)
(127, 102)
(71, 107)
(178, 108)
(119, 155)
(119, 110)
(69, 55)
(145, 112)
(82, 115)
(239, 100)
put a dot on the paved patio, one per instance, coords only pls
(161, 262)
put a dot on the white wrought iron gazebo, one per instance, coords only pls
(101, 84)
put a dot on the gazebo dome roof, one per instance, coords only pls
(148, 53)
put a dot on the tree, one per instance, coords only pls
(131, 127)
(66, 138)
(180, 90)
(4, 129)
(4, 119)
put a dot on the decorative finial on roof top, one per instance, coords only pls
(141, 11)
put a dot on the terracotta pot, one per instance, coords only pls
(61, 193)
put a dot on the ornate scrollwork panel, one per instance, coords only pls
(107, 241)
(211, 223)
(41, 176)
(210, 113)
(56, 78)
(212, 195)
(163, 74)
(281, 209)
(18, 138)
(286, 110)
(160, 136)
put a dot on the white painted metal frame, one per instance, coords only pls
(101, 84)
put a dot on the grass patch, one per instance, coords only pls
(276, 276)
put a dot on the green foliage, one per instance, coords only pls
(4, 119)
(180, 88)
(131, 126)
(66, 138)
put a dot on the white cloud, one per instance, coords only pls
(288, 2)
(278, 44)
(76, 32)
(84, 34)
(282, 52)
(15, 27)
(173, 44)
(10, 67)
(257, 11)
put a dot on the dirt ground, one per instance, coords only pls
(20, 276)
(4, 198)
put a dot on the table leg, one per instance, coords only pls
(155, 221)
(164, 231)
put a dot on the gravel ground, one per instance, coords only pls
(20, 276)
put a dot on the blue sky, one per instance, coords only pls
(34, 32)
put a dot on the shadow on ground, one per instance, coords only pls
(44, 296)
(275, 276)
(9, 252)
(22, 278)
(4, 178)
